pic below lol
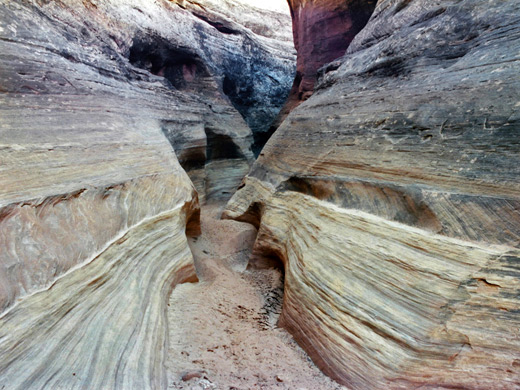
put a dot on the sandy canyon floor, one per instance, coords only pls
(222, 330)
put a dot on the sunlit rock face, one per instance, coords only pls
(392, 197)
(255, 63)
(99, 103)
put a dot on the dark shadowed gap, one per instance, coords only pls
(221, 146)
(256, 88)
(270, 275)
(179, 66)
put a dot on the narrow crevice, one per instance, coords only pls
(317, 56)
(256, 89)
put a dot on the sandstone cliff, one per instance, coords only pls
(94, 204)
(392, 198)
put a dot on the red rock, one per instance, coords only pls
(322, 30)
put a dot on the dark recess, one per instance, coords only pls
(256, 88)
(178, 65)
(191, 156)
(221, 146)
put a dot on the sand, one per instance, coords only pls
(222, 330)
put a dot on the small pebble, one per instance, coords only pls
(192, 374)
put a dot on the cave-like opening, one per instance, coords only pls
(179, 66)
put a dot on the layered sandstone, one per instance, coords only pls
(391, 197)
(99, 103)
(322, 32)
(258, 73)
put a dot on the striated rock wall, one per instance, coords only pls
(99, 103)
(89, 57)
(322, 32)
(254, 62)
(391, 196)
(379, 304)
(102, 325)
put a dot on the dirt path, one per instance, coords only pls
(223, 332)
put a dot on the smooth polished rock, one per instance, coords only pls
(392, 197)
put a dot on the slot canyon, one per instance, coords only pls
(260, 194)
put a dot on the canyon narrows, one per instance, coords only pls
(379, 226)
(392, 197)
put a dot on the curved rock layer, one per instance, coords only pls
(89, 92)
(94, 204)
(391, 196)
(102, 325)
(125, 53)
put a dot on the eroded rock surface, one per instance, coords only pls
(157, 48)
(258, 65)
(391, 195)
(94, 204)
(322, 31)
(102, 325)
